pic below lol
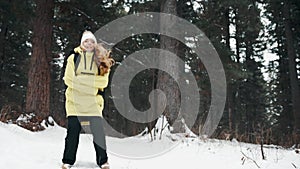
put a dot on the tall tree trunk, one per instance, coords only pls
(164, 81)
(230, 107)
(292, 70)
(229, 86)
(237, 34)
(227, 28)
(38, 88)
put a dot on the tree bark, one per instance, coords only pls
(237, 34)
(227, 28)
(164, 81)
(229, 85)
(38, 88)
(292, 69)
(230, 108)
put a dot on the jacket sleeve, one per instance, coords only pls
(82, 83)
(98, 81)
(69, 72)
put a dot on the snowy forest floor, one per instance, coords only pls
(22, 149)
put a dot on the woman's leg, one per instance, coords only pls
(71, 140)
(96, 125)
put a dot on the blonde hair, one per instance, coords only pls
(103, 59)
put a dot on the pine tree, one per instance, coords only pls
(284, 34)
(38, 88)
(14, 51)
(165, 82)
(291, 51)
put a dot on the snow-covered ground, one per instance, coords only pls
(22, 149)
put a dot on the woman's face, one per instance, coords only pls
(89, 45)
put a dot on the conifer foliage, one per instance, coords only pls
(263, 93)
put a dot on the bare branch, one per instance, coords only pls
(249, 159)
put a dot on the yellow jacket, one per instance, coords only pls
(81, 95)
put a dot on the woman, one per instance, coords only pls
(86, 76)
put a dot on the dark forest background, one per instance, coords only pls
(263, 96)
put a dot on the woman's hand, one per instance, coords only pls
(104, 64)
(103, 59)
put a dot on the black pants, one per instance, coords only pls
(72, 139)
